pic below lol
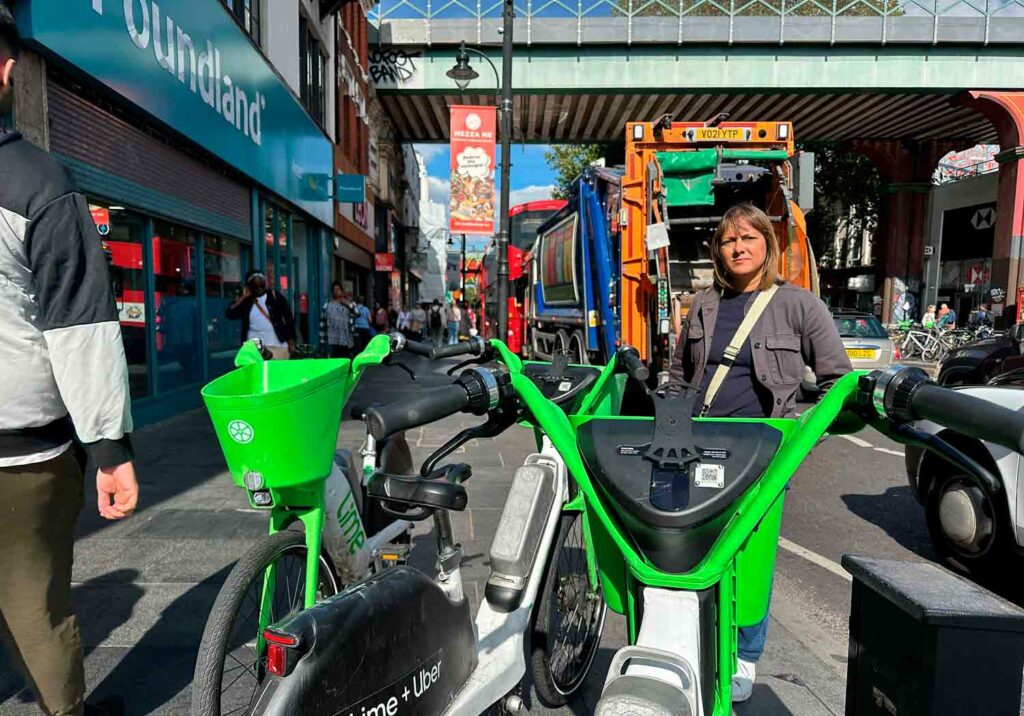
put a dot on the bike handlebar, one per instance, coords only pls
(425, 407)
(474, 346)
(629, 359)
(908, 394)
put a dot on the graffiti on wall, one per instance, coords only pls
(388, 64)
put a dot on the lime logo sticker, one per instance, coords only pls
(240, 431)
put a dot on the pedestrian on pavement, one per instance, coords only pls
(465, 321)
(928, 319)
(947, 318)
(64, 397)
(403, 322)
(418, 323)
(981, 317)
(453, 318)
(436, 322)
(265, 314)
(380, 318)
(792, 328)
(336, 324)
(364, 332)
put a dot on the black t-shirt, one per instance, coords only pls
(740, 396)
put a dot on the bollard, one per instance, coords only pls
(924, 642)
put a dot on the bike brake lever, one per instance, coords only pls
(484, 357)
(390, 361)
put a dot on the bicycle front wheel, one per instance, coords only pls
(231, 663)
(569, 618)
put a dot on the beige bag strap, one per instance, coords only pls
(732, 351)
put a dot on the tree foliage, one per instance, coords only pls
(846, 202)
(568, 161)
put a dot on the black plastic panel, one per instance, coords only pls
(393, 636)
(675, 540)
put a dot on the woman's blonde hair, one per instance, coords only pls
(760, 221)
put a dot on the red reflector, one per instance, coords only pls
(277, 659)
(276, 638)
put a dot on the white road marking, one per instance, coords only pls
(887, 451)
(856, 441)
(815, 558)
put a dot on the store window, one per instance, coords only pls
(123, 233)
(276, 231)
(312, 73)
(225, 262)
(248, 15)
(178, 340)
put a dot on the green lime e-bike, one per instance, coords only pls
(670, 520)
(277, 423)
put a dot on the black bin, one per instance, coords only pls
(924, 642)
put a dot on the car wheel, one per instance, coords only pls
(968, 527)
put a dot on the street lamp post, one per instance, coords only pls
(462, 73)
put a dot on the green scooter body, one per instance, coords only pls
(736, 571)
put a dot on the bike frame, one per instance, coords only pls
(744, 553)
(306, 504)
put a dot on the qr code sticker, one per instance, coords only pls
(564, 386)
(709, 476)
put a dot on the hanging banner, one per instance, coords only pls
(472, 132)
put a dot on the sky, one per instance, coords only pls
(531, 177)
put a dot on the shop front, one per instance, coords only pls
(198, 164)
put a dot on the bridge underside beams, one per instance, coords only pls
(824, 116)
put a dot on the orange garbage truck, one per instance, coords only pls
(679, 180)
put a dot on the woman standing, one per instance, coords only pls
(792, 328)
(380, 318)
(928, 319)
(336, 324)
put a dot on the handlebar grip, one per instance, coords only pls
(969, 415)
(629, 359)
(426, 407)
(420, 349)
(474, 345)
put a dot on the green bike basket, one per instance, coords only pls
(280, 418)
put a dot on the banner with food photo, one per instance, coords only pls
(472, 131)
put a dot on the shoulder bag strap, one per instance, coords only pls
(732, 350)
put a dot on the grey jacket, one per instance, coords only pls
(795, 330)
(62, 362)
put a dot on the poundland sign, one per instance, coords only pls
(188, 63)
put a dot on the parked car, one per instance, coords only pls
(978, 532)
(867, 344)
(977, 363)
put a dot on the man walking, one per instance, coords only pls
(64, 376)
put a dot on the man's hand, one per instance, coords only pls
(117, 491)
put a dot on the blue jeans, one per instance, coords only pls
(750, 641)
(453, 333)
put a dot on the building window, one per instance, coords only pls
(123, 246)
(225, 262)
(247, 12)
(178, 338)
(312, 73)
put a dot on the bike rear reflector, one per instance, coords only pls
(280, 658)
(277, 638)
(277, 660)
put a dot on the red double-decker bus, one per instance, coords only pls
(524, 219)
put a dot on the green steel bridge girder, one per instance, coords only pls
(606, 69)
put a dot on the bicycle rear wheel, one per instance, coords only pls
(229, 668)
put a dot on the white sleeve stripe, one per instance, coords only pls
(92, 376)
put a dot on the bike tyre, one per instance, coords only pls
(550, 693)
(213, 647)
